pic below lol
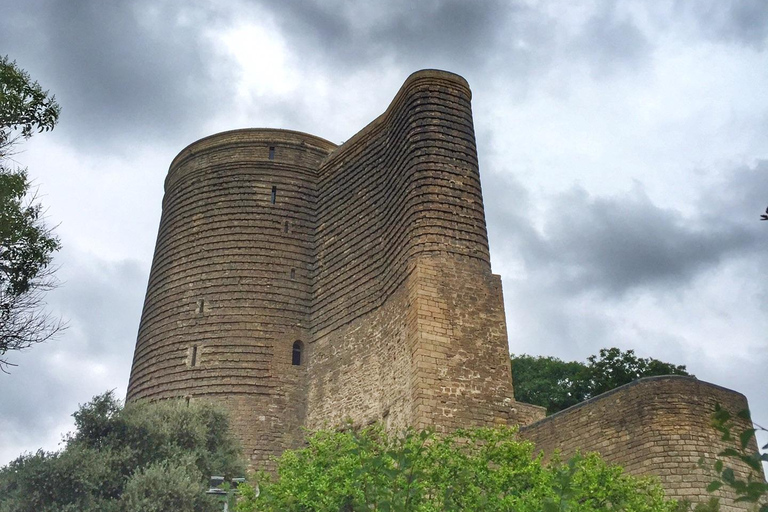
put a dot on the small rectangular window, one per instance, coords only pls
(272, 152)
(193, 356)
(200, 306)
(274, 194)
(297, 356)
(285, 228)
(293, 273)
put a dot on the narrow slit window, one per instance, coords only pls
(293, 273)
(271, 152)
(286, 226)
(193, 356)
(200, 306)
(274, 194)
(298, 356)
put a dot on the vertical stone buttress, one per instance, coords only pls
(408, 320)
(229, 291)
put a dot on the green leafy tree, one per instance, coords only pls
(24, 105)
(557, 385)
(26, 244)
(549, 382)
(142, 457)
(614, 368)
(471, 470)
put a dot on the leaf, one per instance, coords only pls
(729, 452)
(746, 436)
(714, 485)
(719, 466)
(751, 460)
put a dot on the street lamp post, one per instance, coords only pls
(227, 493)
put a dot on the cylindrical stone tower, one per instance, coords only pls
(226, 316)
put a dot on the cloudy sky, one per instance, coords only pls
(622, 149)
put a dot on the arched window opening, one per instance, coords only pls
(298, 353)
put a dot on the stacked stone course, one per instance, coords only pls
(656, 425)
(373, 258)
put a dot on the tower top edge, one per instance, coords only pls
(436, 76)
(436, 73)
(253, 135)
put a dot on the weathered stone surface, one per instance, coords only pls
(657, 425)
(373, 256)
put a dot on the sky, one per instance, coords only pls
(622, 148)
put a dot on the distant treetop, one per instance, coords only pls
(557, 385)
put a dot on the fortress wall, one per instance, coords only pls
(400, 239)
(657, 425)
(361, 372)
(404, 186)
(230, 286)
(461, 364)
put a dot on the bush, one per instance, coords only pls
(472, 470)
(141, 457)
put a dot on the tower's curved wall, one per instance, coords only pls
(406, 186)
(230, 287)
(408, 320)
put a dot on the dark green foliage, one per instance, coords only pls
(142, 457)
(471, 470)
(26, 248)
(753, 488)
(24, 105)
(549, 382)
(164, 486)
(26, 244)
(614, 368)
(557, 385)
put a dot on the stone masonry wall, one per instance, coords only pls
(230, 286)
(461, 370)
(361, 371)
(408, 319)
(406, 185)
(657, 425)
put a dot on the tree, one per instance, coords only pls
(26, 244)
(549, 382)
(24, 105)
(557, 385)
(142, 457)
(471, 470)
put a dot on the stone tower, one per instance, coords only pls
(230, 289)
(303, 284)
